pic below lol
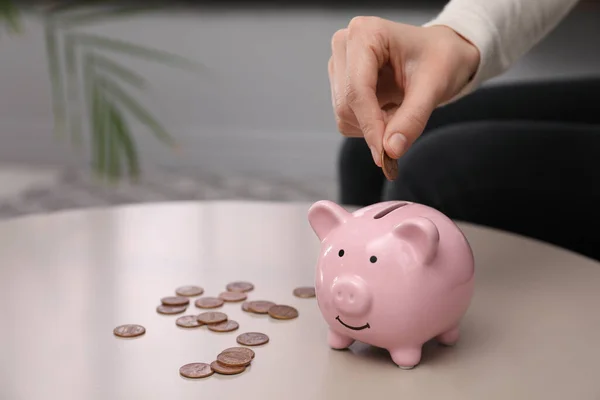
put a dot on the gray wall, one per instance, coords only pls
(263, 109)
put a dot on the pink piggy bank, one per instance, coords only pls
(393, 275)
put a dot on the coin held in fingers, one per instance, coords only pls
(389, 166)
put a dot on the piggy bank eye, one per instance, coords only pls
(373, 259)
(341, 253)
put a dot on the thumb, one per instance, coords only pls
(410, 119)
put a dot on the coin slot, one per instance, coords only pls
(388, 210)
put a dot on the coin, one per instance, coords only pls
(260, 306)
(129, 331)
(188, 321)
(233, 296)
(239, 286)
(280, 311)
(234, 359)
(225, 370)
(189, 291)
(170, 310)
(209, 302)
(304, 292)
(196, 370)
(252, 339)
(212, 317)
(246, 306)
(389, 166)
(175, 301)
(244, 350)
(225, 326)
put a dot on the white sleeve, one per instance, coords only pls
(502, 30)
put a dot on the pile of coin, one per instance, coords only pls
(233, 360)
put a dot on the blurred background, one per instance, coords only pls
(109, 103)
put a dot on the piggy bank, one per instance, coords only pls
(394, 275)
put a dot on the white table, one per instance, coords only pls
(66, 280)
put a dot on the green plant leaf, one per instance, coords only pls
(136, 50)
(98, 120)
(9, 12)
(135, 108)
(72, 90)
(127, 75)
(59, 107)
(114, 162)
(123, 137)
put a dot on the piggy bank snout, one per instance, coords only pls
(351, 296)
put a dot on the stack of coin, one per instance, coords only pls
(231, 361)
(172, 305)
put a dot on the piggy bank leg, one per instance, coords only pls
(406, 357)
(448, 338)
(339, 342)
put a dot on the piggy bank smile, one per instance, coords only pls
(354, 328)
(393, 275)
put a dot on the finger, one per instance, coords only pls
(338, 80)
(364, 58)
(409, 120)
(346, 128)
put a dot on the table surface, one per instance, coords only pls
(67, 280)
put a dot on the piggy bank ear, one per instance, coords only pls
(422, 236)
(324, 216)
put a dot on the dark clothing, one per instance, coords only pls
(524, 158)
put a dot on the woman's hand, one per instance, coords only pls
(387, 78)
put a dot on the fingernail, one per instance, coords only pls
(375, 155)
(398, 143)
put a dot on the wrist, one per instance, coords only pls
(467, 51)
